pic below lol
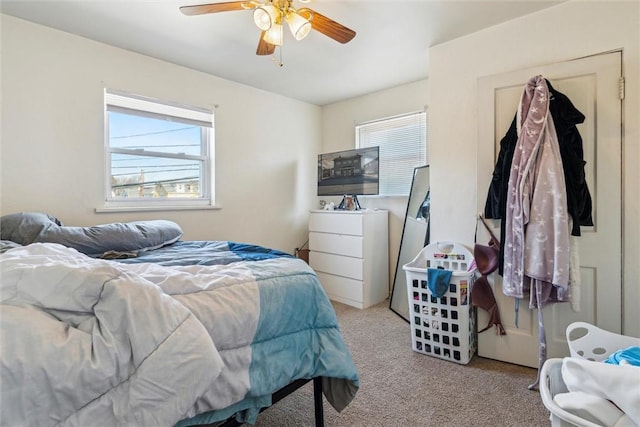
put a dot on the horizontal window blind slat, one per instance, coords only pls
(403, 147)
(153, 115)
(132, 104)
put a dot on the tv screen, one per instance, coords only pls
(349, 172)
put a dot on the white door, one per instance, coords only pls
(592, 84)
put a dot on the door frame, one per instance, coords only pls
(487, 156)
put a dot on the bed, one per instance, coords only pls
(165, 332)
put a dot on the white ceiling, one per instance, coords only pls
(390, 48)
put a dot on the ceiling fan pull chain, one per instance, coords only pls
(275, 59)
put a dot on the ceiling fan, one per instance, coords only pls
(269, 16)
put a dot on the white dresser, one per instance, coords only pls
(349, 250)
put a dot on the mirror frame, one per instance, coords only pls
(400, 285)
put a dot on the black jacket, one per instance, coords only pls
(565, 118)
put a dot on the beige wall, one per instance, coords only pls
(52, 138)
(338, 133)
(567, 31)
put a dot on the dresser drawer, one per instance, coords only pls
(339, 244)
(337, 264)
(336, 223)
(341, 288)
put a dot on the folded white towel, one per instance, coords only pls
(618, 383)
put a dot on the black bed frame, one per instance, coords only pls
(282, 393)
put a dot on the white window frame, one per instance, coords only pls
(405, 168)
(144, 106)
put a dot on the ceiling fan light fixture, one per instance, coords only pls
(265, 16)
(268, 15)
(274, 35)
(298, 25)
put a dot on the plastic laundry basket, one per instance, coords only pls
(443, 326)
(551, 383)
(593, 344)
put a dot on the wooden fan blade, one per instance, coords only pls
(265, 48)
(327, 26)
(201, 9)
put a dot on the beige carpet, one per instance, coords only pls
(399, 387)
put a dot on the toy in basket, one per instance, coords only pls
(441, 315)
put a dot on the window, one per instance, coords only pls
(159, 154)
(403, 147)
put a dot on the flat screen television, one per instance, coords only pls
(351, 172)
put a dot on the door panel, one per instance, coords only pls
(592, 85)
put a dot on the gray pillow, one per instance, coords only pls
(31, 227)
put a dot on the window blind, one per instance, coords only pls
(403, 147)
(141, 106)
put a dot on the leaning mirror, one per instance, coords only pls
(415, 236)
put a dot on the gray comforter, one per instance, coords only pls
(93, 342)
(80, 345)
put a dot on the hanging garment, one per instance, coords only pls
(531, 120)
(486, 260)
(536, 222)
(438, 281)
(536, 203)
(546, 242)
(565, 118)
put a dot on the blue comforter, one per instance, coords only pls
(245, 321)
(205, 252)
